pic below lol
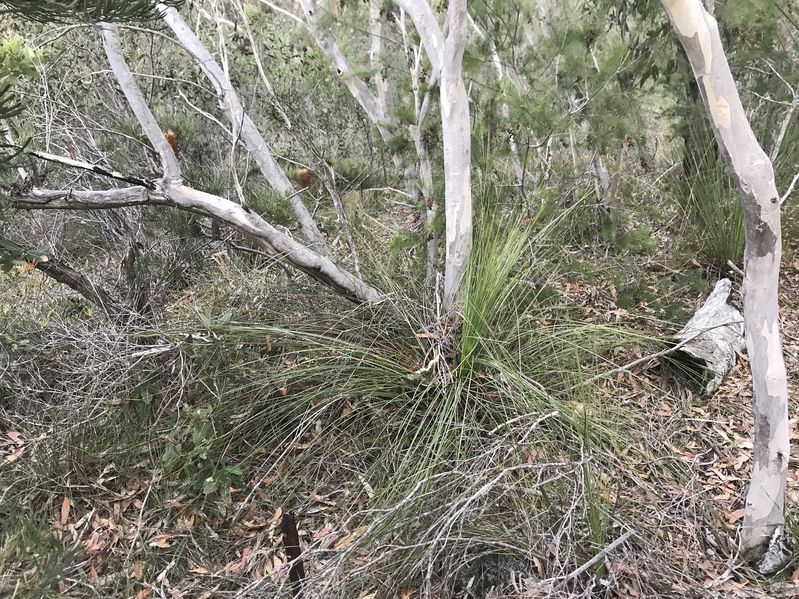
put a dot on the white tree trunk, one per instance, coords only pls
(243, 125)
(446, 57)
(169, 191)
(456, 129)
(751, 167)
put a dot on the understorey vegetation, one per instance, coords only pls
(395, 299)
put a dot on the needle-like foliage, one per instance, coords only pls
(85, 10)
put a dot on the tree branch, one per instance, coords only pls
(144, 115)
(50, 199)
(384, 95)
(268, 238)
(94, 168)
(244, 126)
(357, 87)
(427, 26)
(65, 274)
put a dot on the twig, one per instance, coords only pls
(291, 544)
(788, 115)
(784, 128)
(522, 417)
(281, 10)
(790, 189)
(598, 557)
(23, 174)
(96, 169)
(206, 114)
(734, 267)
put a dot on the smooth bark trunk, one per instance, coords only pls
(753, 171)
(446, 57)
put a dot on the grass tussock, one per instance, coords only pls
(413, 463)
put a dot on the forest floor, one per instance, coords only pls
(105, 526)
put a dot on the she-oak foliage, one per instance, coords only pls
(85, 10)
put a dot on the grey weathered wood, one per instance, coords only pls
(170, 191)
(113, 50)
(710, 341)
(243, 126)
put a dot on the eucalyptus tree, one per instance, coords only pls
(445, 46)
(752, 168)
(169, 189)
(309, 256)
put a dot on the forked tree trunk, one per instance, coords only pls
(752, 169)
(446, 57)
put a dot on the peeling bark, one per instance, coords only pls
(710, 341)
(699, 34)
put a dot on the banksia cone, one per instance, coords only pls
(172, 140)
(304, 178)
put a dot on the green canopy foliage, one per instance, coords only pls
(85, 10)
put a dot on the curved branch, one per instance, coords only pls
(243, 125)
(94, 168)
(268, 238)
(113, 50)
(77, 281)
